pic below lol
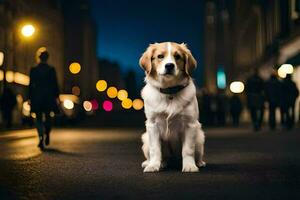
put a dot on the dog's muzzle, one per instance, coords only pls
(169, 69)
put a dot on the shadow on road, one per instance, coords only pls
(59, 152)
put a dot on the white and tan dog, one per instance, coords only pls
(171, 108)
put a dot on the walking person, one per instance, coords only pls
(43, 96)
(7, 103)
(254, 89)
(273, 93)
(289, 96)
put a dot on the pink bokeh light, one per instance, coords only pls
(107, 106)
(95, 104)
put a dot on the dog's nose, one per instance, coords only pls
(169, 66)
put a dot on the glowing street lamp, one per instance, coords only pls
(28, 30)
(237, 87)
(284, 70)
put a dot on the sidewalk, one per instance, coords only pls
(17, 134)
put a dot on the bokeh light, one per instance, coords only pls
(21, 79)
(237, 87)
(284, 70)
(68, 104)
(137, 104)
(87, 105)
(52, 114)
(10, 76)
(75, 68)
(1, 75)
(95, 104)
(33, 115)
(127, 103)
(26, 109)
(1, 58)
(122, 94)
(112, 92)
(76, 90)
(101, 85)
(107, 106)
(28, 30)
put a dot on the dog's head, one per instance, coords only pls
(167, 64)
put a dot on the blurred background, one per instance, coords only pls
(95, 47)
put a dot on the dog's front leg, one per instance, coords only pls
(154, 147)
(188, 149)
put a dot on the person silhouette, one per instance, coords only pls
(43, 97)
(289, 96)
(254, 89)
(236, 108)
(273, 93)
(7, 103)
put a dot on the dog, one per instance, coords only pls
(171, 108)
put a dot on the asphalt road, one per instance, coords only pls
(105, 164)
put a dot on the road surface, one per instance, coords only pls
(105, 164)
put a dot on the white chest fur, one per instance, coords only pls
(171, 105)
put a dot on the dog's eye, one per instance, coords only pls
(177, 57)
(160, 56)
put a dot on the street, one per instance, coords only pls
(105, 164)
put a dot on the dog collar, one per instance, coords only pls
(172, 90)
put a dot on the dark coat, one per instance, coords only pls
(255, 92)
(43, 88)
(236, 105)
(273, 91)
(290, 92)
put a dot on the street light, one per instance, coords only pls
(237, 87)
(27, 30)
(284, 70)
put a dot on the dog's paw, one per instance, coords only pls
(145, 163)
(190, 167)
(201, 164)
(152, 168)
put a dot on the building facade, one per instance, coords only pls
(241, 35)
(66, 29)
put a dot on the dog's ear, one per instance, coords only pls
(146, 59)
(190, 61)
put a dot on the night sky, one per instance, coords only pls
(126, 27)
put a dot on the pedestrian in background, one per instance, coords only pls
(254, 89)
(236, 108)
(273, 94)
(43, 96)
(289, 96)
(7, 103)
(222, 108)
(205, 112)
